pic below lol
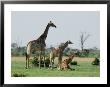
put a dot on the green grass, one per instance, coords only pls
(83, 69)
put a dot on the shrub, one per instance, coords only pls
(19, 75)
(35, 62)
(73, 63)
(96, 61)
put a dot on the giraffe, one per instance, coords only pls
(65, 63)
(58, 52)
(38, 45)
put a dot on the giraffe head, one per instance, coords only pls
(69, 42)
(51, 24)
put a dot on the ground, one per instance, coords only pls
(83, 69)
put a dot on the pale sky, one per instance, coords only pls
(29, 25)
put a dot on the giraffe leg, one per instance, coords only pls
(40, 60)
(59, 62)
(44, 59)
(28, 62)
(51, 64)
(50, 59)
(58, 67)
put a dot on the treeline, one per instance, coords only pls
(93, 52)
(20, 51)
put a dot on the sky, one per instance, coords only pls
(29, 25)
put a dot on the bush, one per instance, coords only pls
(19, 75)
(73, 63)
(96, 61)
(35, 62)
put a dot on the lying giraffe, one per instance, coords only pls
(58, 53)
(65, 63)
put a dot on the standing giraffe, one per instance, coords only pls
(58, 52)
(38, 45)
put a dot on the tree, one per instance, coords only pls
(14, 45)
(95, 48)
(83, 38)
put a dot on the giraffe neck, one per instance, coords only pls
(65, 45)
(46, 31)
(44, 35)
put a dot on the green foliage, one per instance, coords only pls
(35, 62)
(19, 51)
(82, 55)
(65, 54)
(90, 55)
(96, 61)
(73, 63)
(19, 75)
(94, 55)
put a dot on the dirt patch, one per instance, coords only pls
(56, 59)
(81, 59)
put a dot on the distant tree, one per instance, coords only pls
(95, 48)
(14, 45)
(51, 48)
(83, 38)
(67, 49)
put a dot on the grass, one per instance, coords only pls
(83, 69)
